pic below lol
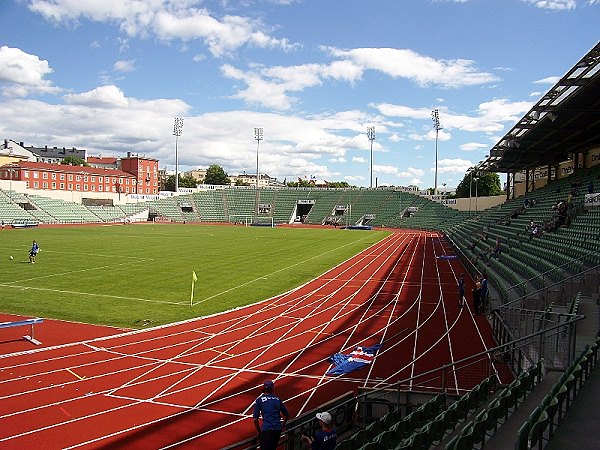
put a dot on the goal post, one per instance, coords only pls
(241, 219)
(263, 221)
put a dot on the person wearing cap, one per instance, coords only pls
(272, 409)
(326, 437)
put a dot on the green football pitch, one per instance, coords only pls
(141, 275)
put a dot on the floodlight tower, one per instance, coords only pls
(371, 136)
(258, 136)
(435, 116)
(177, 130)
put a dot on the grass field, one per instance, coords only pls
(140, 275)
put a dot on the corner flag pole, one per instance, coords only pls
(194, 279)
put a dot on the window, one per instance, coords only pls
(26, 174)
(93, 187)
(53, 185)
(93, 179)
(62, 176)
(54, 176)
(36, 175)
(114, 189)
(85, 187)
(77, 187)
(100, 188)
(45, 185)
(85, 178)
(127, 190)
(62, 186)
(36, 184)
(70, 186)
(45, 175)
(70, 177)
(78, 178)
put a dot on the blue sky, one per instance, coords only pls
(110, 76)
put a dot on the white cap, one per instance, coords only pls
(325, 417)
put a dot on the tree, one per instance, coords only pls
(339, 184)
(74, 161)
(482, 184)
(239, 182)
(216, 175)
(184, 181)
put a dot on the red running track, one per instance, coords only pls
(194, 383)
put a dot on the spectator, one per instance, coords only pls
(498, 247)
(461, 290)
(271, 408)
(477, 296)
(326, 437)
(484, 293)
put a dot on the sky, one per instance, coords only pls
(111, 76)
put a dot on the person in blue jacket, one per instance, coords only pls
(272, 410)
(33, 252)
(326, 437)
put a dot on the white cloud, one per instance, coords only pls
(553, 4)
(423, 70)
(101, 97)
(354, 178)
(341, 159)
(349, 66)
(124, 66)
(198, 57)
(22, 73)
(548, 80)
(471, 146)
(490, 117)
(456, 165)
(165, 19)
(359, 159)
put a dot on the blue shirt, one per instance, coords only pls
(271, 408)
(484, 287)
(324, 440)
(34, 248)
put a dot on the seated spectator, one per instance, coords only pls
(497, 248)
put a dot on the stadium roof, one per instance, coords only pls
(565, 120)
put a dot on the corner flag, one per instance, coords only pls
(194, 279)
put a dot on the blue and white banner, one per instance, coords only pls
(358, 358)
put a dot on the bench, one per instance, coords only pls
(25, 322)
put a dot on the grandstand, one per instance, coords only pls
(540, 283)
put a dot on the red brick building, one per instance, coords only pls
(145, 171)
(47, 176)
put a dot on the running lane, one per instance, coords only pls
(194, 383)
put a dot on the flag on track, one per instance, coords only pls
(194, 279)
(359, 357)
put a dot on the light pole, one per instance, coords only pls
(371, 136)
(177, 130)
(435, 116)
(476, 195)
(470, 189)
(258, 136)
